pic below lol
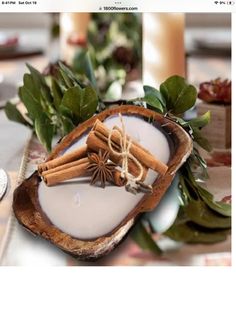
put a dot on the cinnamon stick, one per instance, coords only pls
(96, 143)
(142, 154)
(68, 157)
(118, 180)
(65, 166)
(101, 128)
(58, 174)
(65, 174)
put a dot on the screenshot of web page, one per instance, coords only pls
(116, 133)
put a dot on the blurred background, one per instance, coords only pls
(127, 50)
(115, 41)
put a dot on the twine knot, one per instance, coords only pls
(125, 153)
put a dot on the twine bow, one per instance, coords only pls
(124, 153)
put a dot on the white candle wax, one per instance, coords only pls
(163, 47)
(88, 212)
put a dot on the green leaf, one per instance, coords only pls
(179, 96)
(44, 130)
(32, 105)
(36, 75)
(68, 76)
(46, 94)
(219, 207)
(223, 209)
(153, 102)
(64, 111)
(202, 215)
(40, 84)
(201, 121)
(141, 236)
(192, 233)
(202, 141)
(149, 90)
(82, 102)
(14, 114)
(83, 64)
(154, 98)
(197, 162)
(30, 86)
(68, 125)
(67, 80)
(56, 93)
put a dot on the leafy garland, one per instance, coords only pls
(114, 61)
(57, 103)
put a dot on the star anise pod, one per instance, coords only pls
(100, 167)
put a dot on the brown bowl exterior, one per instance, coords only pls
(29, 213)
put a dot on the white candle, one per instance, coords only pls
(88, 212)
(163, 47)
(71, 25)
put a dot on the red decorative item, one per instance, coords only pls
(77, 40)
(217, 91)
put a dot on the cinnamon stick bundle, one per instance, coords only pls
(72, 170)
(95, 143)
(142, 154)
(75, 164)
(74, 155)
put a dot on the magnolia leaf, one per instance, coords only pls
(67, 80)
(14, 114)
(192, 233)
(31, 86)
(201, 121)
(196, 161)
(64, 111)
(68, 76)
(82, 63)
(179, 96)
(44, 130)
(68, 125)
(202, 141)
(219, 207)
(38, 78)
(32, 105)
(154, 98)
(46, 95)
(143, 238)
(82, 102)
(153, 102)
(149, 90)
(225, 209)
(40, 84)
(202, 215)
(56, 93)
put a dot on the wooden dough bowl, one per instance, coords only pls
(29, 213)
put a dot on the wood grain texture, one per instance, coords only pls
(29, 213)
